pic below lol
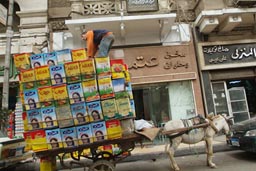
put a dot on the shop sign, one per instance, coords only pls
(141, 5)
(229, 54)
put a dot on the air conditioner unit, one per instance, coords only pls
(245, 3)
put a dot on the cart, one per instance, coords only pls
(101, 160)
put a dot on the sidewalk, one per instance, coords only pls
(152, 152)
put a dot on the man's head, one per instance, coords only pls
(83, 35)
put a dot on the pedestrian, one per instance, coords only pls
(101, 40)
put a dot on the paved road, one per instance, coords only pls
(226, 161)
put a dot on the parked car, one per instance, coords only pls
(12, 152)
(243, 135)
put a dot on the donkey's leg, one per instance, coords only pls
(209, 152)
(173, 146)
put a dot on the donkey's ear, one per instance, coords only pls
(210, 115)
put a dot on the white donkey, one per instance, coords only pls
(216, 124)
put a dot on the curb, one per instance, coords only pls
(180, 152)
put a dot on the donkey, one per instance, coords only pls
(216, 124)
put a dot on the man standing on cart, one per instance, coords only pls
(101, 40)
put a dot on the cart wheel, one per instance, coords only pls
(102, 165)
(104, 155)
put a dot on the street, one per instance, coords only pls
(226, 161)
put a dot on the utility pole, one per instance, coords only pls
(9, 35)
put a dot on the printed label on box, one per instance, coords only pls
(78, 54)
(31, 99)
(37, 60)
(87, 68)
(99, 131)
(43, 76)
(28, 79)
(50, 58)
(119, 85)
(64, 56)
(94, 111)
(53, 137)
(90, 89)
(114, 129)
(49, 117)
(58, 74)
(105, 86)
(102, 66)
(34, 119)
(45, 95)
(21, 61)
(84, 134)
(72, 72)
(109, 108)
(123, 106)
(38, 139)
(75, 93)
(79, 113)
(64, 116)
(69, 137)
(60, 92)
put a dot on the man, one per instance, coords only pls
(101, 40)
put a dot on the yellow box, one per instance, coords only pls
(45, 95)
(60, 92)
(43, 76)
(114, 129)
(78, 54)
(48, 164)
(38, 139)
(72, 70)
(27, 79)
(21, 61)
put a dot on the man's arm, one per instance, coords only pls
(91, 49)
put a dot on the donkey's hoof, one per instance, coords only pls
(213, 166)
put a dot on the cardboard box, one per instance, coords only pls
(53, 137)
(37, 60)
(64, 116)
(102, 66)
(25, 120)
(60, 94)
(90, 89)
(58, 75)
(38, 139)
(109, 108)
(49, 118)
(50, 58)
(132, 103)
(124, 107)
(72, 72)
(87, 69)
(64, 56)
(94, 111)
(28, 141)
(75, 93)
(79, 113)
(118, 85)
(31, 99)
(27, 78)
(114, 129)
(117, 68)
(43, 76)
(127, 75)
(128, 88)
(45, 96)
(99, 131)
(21, 61)
(34, 119)
(69, 137)
(79, 54)
(84, 133)
(105, 88)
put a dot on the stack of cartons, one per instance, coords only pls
(70, 100)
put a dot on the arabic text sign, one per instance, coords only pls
(3, 14)
(229, 54)
(142, 5)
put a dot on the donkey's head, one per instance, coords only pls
(219, 122)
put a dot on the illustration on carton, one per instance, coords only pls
(53, 137)
(34, 119)
(109, 108)
(123, 106)
(43, 76)
(49, 117)
(69, 137)
(21, 61)
(99, 131)
(60, 94)
(31, 99)
(38, 140)
(72, 72)
(102, 66)
(87, 69)
(50, 58)
(64, 56)
(94, 111)
(78, 54)
(57, 74)
(105, 88)
(90, 89)
(114, 129)
(118, 85)
(37, 60)
(45, 96)
(117, 68)
(79, 113)
(75, 93)
(27, 78)
(64, 116)
(84, 133)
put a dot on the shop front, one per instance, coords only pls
(165, 82)
(228, 76)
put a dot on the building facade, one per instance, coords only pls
(225, 39)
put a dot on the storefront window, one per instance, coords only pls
(182, 105)
(220, 98)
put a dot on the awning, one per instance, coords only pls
(128, 30)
